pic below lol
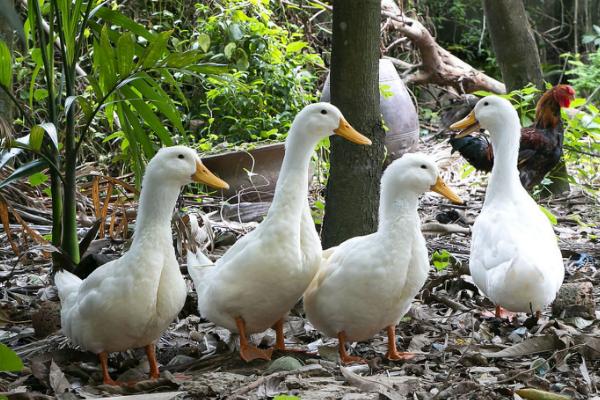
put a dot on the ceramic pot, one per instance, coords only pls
(398, 111)
(251, 174)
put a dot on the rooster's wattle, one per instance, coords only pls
(541, 144)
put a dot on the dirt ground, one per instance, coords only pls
(462, 352)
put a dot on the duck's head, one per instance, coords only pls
(320, 120)
(491, 113)
(181, 165)
(417, 173)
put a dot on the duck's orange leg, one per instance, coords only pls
(151, 354)
(279, 336)
(106, 379)
(280, 339)
(248, 352)
(393, 353)
(344, 357)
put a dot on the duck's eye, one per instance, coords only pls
(181, 156)
(424, 166)
(485, 103)
(323, 112)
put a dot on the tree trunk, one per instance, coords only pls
(355, 171)
(513, 43)
(6, 104)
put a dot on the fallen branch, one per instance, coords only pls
(438, 65)
(443, 229)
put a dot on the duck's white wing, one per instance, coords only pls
(514, 253)
(328, 252)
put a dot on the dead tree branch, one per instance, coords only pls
(438, 66)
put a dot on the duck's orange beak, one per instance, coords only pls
(466, 125)
(443, 189)
(346, 131)
(203, 175)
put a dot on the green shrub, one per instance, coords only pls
(585, 73)
(273, 79)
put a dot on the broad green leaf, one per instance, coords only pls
(117, 18)
(50, 129)
(149, 117)
(108, 58)
(229, 49)
(128, 80)
(34, 75)
(151, 90)
(204, 42)
(69, 102)
(24, 171)
(9, 360)
(5, 65)
(37, 179)
(155, 50)
(140, 135)
(181, 60)
(440, 259)
(209, 68)
(235, 32)
(36, 137)
(40, 94)
(131, 122)
(125, 54)
(18, 145)
(482, 93)
(551, 217)
(170, 80)
(295, 47)
(578, 102)
(241, 59)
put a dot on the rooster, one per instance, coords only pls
(541, 143)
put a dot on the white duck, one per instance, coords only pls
(127, 303)
(260, 278)
(515, 259)
(367, 283)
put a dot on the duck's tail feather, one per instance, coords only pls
(198, 265)
(67, 284)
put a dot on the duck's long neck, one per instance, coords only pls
(292, 185)
(157, 201)
(397, 212)
(505, 174)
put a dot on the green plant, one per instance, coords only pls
(592, 37)
(272, 79)
(551, 217)
(441, 259)
(9, 360)
(585, 72)
(128, 66)
(582, 146)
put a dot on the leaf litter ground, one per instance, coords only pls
(462, 352)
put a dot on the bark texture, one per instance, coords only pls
(355, 171)
(6, 105)
(513, 43)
